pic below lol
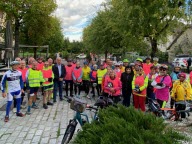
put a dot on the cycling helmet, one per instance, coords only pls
(148, 58)
(125, 60)
(85, 63)
(120, 63)
(139, 59)
(177, 66)
(163, 66)
(155, 59)
(14, 63)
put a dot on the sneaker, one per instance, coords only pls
(20, 114)
(35, 107)
(54, 101)
(14, 110)
(6, 119)
(49, 103)
(45, 106)
(61, 99)
(28, 113)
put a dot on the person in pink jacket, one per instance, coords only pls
(77, 75)
(162, 83)
(68, 77)
(113, 87)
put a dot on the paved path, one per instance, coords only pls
(41, 127)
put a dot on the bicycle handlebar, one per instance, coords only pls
(88, 107)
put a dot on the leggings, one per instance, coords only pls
(67, 82)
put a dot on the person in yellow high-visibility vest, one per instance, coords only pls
(50, 61)
(47, 85)
(33, 79)
(100, 74)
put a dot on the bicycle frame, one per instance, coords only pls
(78, 117)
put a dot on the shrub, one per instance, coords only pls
(126, 125)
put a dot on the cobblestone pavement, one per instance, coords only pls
(41, 127)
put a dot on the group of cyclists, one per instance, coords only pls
(118, 80)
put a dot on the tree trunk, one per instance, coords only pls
(106, 52)
(17, 25)
(35, 53)
(153, 47)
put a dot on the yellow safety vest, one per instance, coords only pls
(34, 78)
(100, 75)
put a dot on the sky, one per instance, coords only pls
(76, 15)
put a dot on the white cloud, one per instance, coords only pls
(75, 14)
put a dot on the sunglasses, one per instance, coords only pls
(162, 69)
(181, 77)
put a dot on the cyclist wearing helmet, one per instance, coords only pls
(175, 73)
(125, 63)
(174, 77)
(93, 80)
(181, 92)
(100, 74)
(162, 83)
(117, 70)
(155, 61)
(12, 86)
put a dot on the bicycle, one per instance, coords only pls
(166, 113)
(79, 106)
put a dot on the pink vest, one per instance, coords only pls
(47, 74)
(139, 81)
(77, 73)
(69, 70)
(116, 84)
(23, 71)
(40, 66)
(146, 68)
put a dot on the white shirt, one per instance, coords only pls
(59, 68)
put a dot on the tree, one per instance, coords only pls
(99, 36)
(153, 20)
(134, 25)
(23, 11)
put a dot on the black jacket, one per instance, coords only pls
(126, 80)
(56, 72)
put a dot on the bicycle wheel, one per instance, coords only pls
(68, 133)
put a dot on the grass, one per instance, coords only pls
(59, 130)
(55, 115)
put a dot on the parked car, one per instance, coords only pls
(81, 56)
(181, 60)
